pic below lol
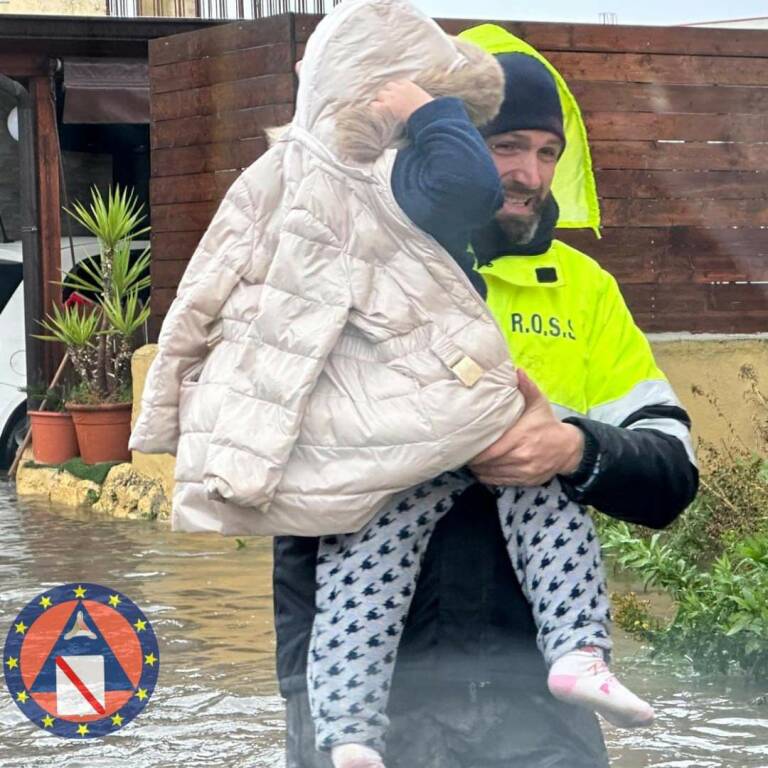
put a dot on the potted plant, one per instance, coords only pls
(53, 431)
(99, 334)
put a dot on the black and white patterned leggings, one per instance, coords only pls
(366, 579)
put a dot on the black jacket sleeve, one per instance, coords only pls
(639, 475)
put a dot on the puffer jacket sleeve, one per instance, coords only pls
(223, 254)
(304, 306)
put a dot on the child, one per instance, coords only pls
(365, 580)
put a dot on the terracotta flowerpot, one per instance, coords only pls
(53, 436)
(102, 431)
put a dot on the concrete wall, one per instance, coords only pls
(713, 378)
(716, 380)
(56, 7)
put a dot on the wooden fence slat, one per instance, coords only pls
(235, 65)
(670, 99)
(174, 245)
(607, 38)
(661, 69)
(162, 298)
(725, 308)
(699, 185)
(223, 156)
(210, 129)
(647, 155)
(198, 44)
(670, 213)
(191, 188)
(223, 97)
(646, 126)
(676, 254)
(183, 217)
(693, 322)
(167, 273)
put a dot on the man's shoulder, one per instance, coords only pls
(581, 269)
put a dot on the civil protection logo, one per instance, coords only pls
(81, 661)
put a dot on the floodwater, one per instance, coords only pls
(216, 703)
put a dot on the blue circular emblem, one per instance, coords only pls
(81, 661)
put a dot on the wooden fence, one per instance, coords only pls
(677, 123)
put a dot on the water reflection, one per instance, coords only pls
(216, 702)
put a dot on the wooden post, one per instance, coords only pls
(49, 212)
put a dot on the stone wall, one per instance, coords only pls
(713, 378)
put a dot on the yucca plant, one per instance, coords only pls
(99, 339)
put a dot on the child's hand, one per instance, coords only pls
(400, 98)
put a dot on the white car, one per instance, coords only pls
(13, 369)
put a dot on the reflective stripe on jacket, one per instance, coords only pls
(567, 326)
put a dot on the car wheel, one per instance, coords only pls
(13, 437)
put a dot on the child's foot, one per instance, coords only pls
(583, 677)
(355, 756)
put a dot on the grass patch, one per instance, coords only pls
(96, 473)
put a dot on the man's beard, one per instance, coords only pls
(520, 229)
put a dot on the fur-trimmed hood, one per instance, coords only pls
(342, 72)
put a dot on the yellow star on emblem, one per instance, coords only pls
(150, 659)
(21, 628)
(82, 729)
(12, 662)
(140, 625)
(48, 721)
(117, 720)
(142, 694)
(79, 591)
(22, 696)
(114, 600)
(45, 602)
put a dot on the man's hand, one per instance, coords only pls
(401, 98)
(534, 450)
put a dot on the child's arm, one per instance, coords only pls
(445, 180)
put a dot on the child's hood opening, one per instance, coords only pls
(363, 44)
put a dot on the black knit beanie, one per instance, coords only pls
(531, 101)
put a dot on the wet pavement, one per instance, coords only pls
(216, 703)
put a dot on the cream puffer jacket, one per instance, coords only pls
(322, 352)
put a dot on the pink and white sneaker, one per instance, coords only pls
(583, 677)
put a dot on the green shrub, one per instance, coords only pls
(721, 617)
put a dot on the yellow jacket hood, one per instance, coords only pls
(574, 185)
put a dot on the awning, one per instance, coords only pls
(106, 91)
